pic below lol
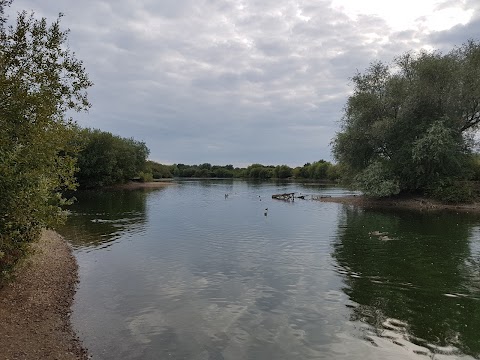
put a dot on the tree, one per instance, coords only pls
(282, 172)
(159, 171)
(319, 170)
(106, 159)
(408, 126)
(40, 80)
(259, 171)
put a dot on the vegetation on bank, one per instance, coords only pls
(410, 126)
(319, 170)
(40, 81)
(105, 159)
(43, 153)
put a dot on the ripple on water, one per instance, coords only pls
(186, 273)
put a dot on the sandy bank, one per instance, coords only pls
(35, 306)
(414, 203)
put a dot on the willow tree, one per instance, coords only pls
(40, 82)
(409, 126)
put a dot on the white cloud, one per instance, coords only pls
(430, 15)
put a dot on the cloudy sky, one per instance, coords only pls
(241, 81)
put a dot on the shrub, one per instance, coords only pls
(455, 193)
(376, 181)
(145, 176)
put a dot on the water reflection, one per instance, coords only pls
(98, 218)
(195, 275)
(419, 286)
(209, 277)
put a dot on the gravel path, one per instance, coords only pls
(35, 306)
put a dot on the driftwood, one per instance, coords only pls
(286, 196)
(318, 197)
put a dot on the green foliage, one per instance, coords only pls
(282, 172)
(438, 155)
(321, 170)
(259, 172)
(223, 171)
(416, 118)
(157, 170)
(333, 172)
(453, 193)
(107, 159)
(145, 176)
(202, 173)
(376, 181)
(205, 166)
(40, 80)
(318, 170)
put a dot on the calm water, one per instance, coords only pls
(183, 273)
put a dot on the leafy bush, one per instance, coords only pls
(454, 193)
(145, 176)
(377, 181)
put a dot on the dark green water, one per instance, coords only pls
(183, 273)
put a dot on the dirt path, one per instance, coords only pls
(35, 306)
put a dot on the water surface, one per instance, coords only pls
(184, 273)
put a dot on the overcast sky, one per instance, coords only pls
(241, 81)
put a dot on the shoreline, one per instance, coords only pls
(132, 185)
(411, 203)
(35, 306)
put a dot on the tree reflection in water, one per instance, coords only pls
(419, 289)
(99, 217)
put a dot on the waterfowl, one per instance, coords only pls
(377, 233)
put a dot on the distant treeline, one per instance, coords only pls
(318, 170)
(105, 159)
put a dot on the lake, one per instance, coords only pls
(184, 272)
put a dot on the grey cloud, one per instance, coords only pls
(227, 81)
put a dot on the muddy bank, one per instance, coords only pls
(413, 203)
(35, 306)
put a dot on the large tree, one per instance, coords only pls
(40, 81)
(408, 126)
(106, 159)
